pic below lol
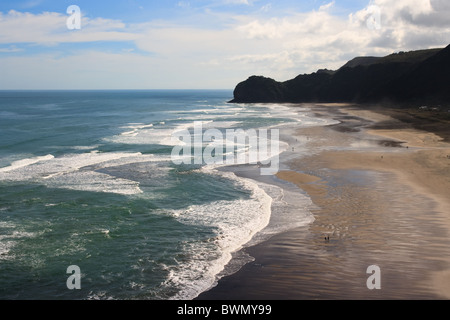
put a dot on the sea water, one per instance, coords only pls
(86, 179)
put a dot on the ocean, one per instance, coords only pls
(87, 180)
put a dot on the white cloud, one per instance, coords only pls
(326, 6)
(184, 4)
(246, 2)
(266, 7)
(305, 25)
(11, 49)
(31, 4)
(196, 56)
(50, 28)
(408, 24)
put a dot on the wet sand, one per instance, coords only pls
(381, 194)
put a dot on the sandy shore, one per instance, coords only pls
(381, 192)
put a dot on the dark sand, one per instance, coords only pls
(381, 192)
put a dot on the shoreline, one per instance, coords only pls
(381, 191)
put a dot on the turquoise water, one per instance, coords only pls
(86, 179)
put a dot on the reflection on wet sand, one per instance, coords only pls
(382, 196)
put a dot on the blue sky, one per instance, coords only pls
(136, 44)
(141, 10)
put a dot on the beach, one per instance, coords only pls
(379, 182)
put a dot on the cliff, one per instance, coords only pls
(419, 77)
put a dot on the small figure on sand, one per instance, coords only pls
(327, 238)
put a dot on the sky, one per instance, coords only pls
(137, 44)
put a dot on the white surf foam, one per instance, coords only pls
(164, 134)
(10, 237)
(25, 162)
(269, 211)
(236, 223)
(135, 129)
(239, 223)
(144, 136)
(79, 171)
